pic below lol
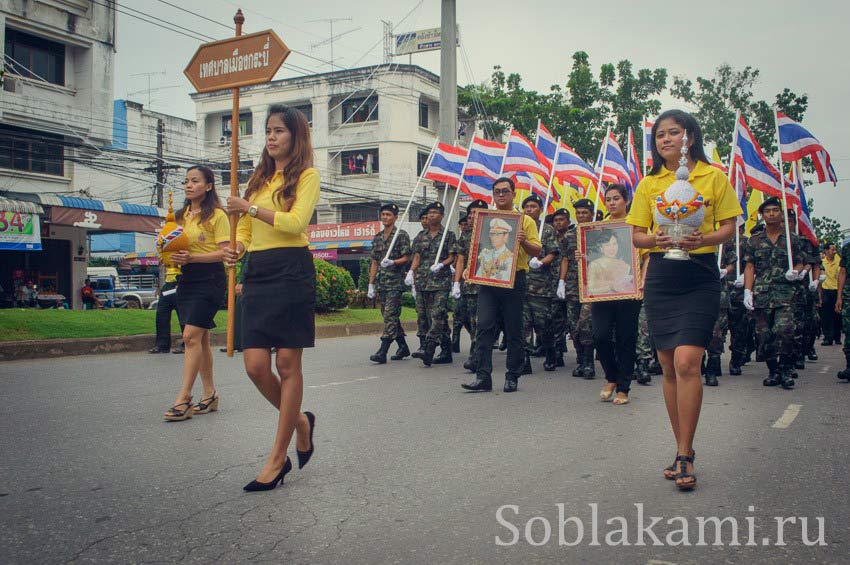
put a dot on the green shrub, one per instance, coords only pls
(363, 279)
(333, 286)
(408, 300)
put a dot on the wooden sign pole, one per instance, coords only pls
(238, 19)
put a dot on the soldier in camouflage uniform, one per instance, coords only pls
(458, 321)
(423, 322)
(433, 280)
(643, 346)
(386, 278)
(769, 287)
(842, 307)
(468, 292)
(805, 304)
(540, 292)
(561, 327)
(578, 315)
(713, 368)
(739, 317)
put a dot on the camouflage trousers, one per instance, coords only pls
(560, 324)
(423, 321)
(799, 308)
(643, 347)
(436, 303)
(390, 301)
(537, 318)
(845, 323)
(811, 323)
(739, 327)
(584, 327)
(775, 331)
(718, 335)
(465, 316)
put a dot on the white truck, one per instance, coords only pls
(138, 291)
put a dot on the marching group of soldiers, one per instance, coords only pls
(769, 305)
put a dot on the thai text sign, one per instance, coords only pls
(418, 41)
(358, 231)
(19, 232)
(325, 254)
(237, 61)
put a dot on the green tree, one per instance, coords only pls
(826, 229)
(630, 96)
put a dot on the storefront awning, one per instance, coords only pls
(94, 215)
(20, 206)
(340, 245)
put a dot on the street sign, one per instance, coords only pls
(418, 41)
(238, 61)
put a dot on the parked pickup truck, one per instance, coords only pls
(112, 291)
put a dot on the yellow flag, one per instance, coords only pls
(753, 203)
(716, 157)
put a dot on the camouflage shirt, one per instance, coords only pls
(729, 258)
(569, 244)
(736, 294)
(390, 278)
(539, 281)
(426, 247)
(845, 262)
(771, 289)
(462, 248)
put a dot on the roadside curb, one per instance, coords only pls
(49, 348)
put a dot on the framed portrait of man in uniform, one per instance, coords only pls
(493, 248)
(608, 266)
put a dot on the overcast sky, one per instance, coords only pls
(800, 45)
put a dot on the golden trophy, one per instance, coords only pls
(679, 211)
(171, 239)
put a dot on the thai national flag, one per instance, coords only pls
(523, 157)
(823, 167)
(804, 221)
(482, 168)
(570, 168)
(612, 162)
(795, 142)
(546, 142)
(761, 175)
(647, 143)
(446, 164)
(534, 184)
(635, 175)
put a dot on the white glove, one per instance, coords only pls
(436, 267)
(813, 286)
(535, 263)
(822, 277)
(748, 300)
(456, 290)
(370, 294)
(802, 274)
(452, 267)
(739, 282)
(562, 290)
(792, 275)
(408, 280)
(385, 263)
(723, 273)
(413, 290)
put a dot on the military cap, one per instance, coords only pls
(561, 212)
(478, 203)
(498, 225)
(462, 217)
(549, 219)
(391, 206)
(438, 206)
(423, 213)
(583, 203)
(772, 201)
(533, 198)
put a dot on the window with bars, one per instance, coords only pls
(355, 111)
(307, 110)
(27, 150)
(246, 168)
(358, 213)
(35, 57)
(359, 162)
(423, 115)
(421, 161)
(245, 124)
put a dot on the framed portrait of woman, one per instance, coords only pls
(608, 268)
(493, 248)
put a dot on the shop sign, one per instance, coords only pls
(339, 233)
(20, 232)
(325, 254)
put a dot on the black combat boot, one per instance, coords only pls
(711, 371)
(445, 355)
(551, 362)
(381, 355)
(559, 354)
(702, 365)
(402, 351)
(503, 345)
(735, 364)
(510, 385)
(786, 368)
(589, 370)
(456, 340)
(655, 366)
(526, 367)
(577, 372)
(428, 354)
(539, 351)
(421, 351)
(799, 362)
(480, 384)
(845, 374)
(813, 355)
(773, 374)
(642, 374)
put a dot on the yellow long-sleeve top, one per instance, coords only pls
(290, 227)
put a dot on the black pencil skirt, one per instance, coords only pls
(200, 294)
(279, 299)
(682, 300)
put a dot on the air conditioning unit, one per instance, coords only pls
(222, 141)
(11, 84)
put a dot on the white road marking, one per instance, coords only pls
(788, 416)
(825, 369)
(657, 562)
(360, 380)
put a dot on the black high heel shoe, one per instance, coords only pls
(256, 486)
(304, 456)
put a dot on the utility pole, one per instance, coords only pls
(448, 76)
(160, 171)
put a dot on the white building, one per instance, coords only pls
(372, 130)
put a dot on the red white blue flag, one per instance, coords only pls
(647, 143)
(804, 220)
(446, 164)
(612, 163)
(635, 175)
(761, 175)
(523, 157)
(795, 142)
(483, 165)
(570, 168)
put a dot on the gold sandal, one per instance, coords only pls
(620, 401)
(174, 414)
(605, 395)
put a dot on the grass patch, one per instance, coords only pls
(24, 324)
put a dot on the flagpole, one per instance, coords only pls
(602, 158)
(454, 200)
(645, 148)
(729, 176)
(798, 169)
(629, 156)
(782, 186)
(549, 191)
(413, 194)
(501, 165)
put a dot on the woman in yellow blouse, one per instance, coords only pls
(279, 281)
(682, 298)
(202, 287)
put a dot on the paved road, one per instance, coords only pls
(408, 468)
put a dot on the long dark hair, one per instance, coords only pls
(301, 156)
(686, 121)
(210, 201)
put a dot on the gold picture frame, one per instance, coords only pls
(608, 268)
(492, 262)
